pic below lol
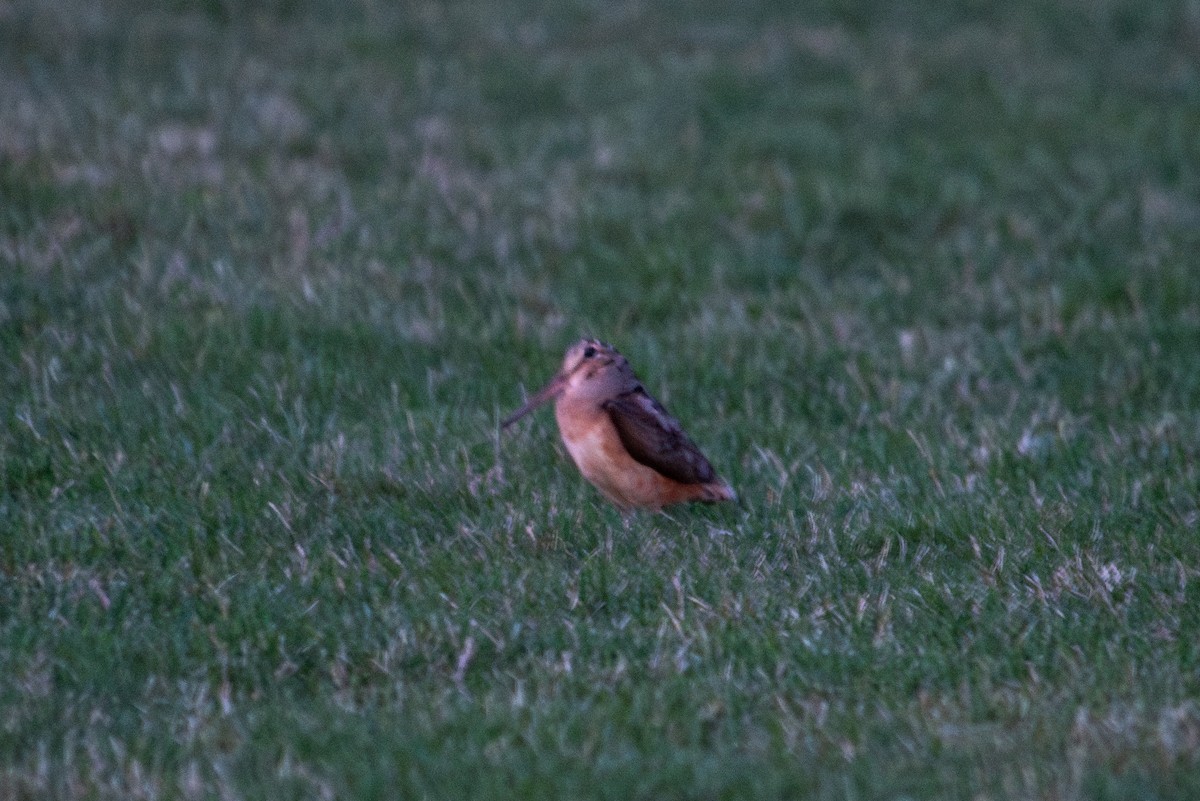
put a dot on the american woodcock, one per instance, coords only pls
(621, 439)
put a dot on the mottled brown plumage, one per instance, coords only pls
(622, 439)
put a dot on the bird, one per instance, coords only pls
(622, 440)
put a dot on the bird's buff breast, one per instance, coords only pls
(597, 451)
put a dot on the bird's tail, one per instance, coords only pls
(718, 491)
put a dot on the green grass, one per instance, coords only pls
(920, 278)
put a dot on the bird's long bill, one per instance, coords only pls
(546, 393)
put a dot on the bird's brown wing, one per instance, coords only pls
(654, 438)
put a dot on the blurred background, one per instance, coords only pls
(919, 277)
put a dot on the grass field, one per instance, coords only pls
(921, 279)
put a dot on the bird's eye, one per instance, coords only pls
(589, 352)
